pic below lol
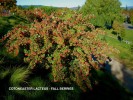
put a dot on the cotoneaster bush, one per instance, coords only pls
(31, 14)
(68, 47)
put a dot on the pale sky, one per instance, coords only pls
(126, 2)
(56, 3)
(64, 3)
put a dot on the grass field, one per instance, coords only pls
(125, 55)
(7, 23)
(129, 35)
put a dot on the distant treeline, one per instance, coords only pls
(128, 7)
(48, 9)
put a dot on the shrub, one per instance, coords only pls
(48, 10)
(119, 29)
(69, 47)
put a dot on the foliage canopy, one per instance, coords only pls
(8, 4)
(69, 47)
(105, 11)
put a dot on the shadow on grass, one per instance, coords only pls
(130, 27)
(8, 60)
(114, 32)
(106, 89)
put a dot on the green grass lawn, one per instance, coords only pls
(129, 35)
(125, 55)
(7, 23)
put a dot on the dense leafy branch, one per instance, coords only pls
(105, 11)
(70, 47)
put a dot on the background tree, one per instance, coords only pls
(8, 4)
(131, 15)
(118, 29)
(105, 11)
